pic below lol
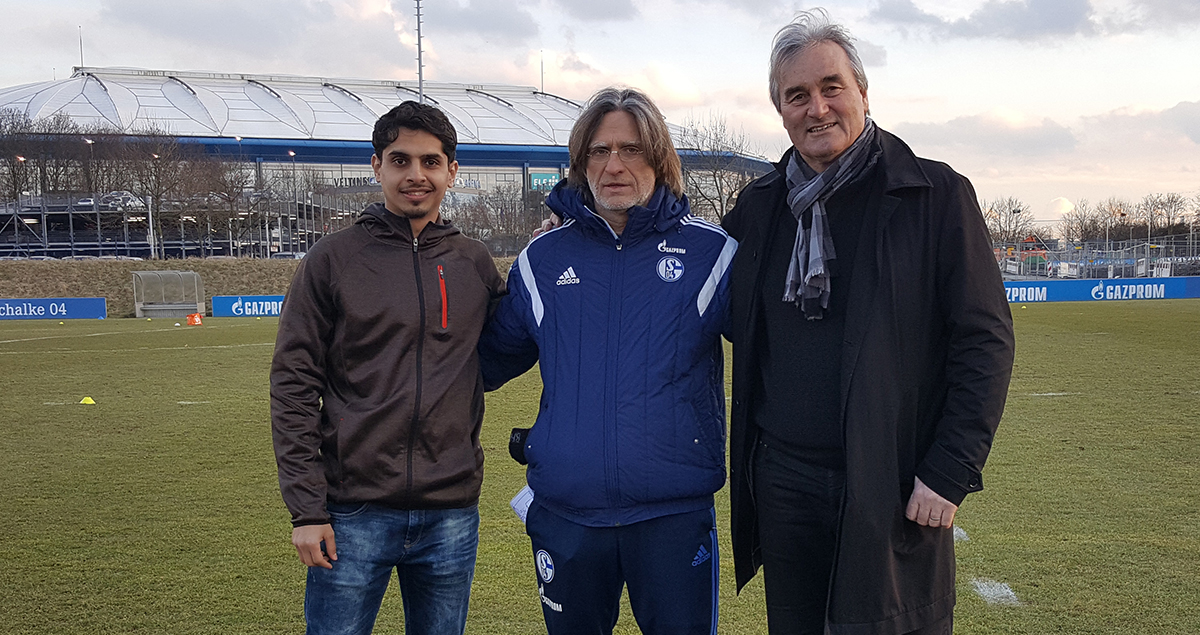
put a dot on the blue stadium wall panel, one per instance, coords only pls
(359, 152)
(1103, 290)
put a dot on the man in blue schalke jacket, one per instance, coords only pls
(623, 305)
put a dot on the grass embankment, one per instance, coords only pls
(157, 509)
(113, 279)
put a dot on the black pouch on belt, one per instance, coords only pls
(516, 444)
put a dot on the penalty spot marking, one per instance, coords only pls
(960, 534)
(994, 592)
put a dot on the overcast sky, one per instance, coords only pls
(1047, 100)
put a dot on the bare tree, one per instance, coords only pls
(715, 165)
(157, 163)
(1171, 209)
(1008, 219)
(59, 153)
(470, 214)
(506, 210)
(229, 211)
(16, 171)
(1082, 223)
(1117, 215)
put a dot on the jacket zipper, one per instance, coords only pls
(614, 325)
(445, 308)
(416, 417)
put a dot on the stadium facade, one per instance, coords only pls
(511, 139)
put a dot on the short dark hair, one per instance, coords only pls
(414, 116)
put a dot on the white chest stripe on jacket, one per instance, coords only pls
(535, 298)
(718, 271)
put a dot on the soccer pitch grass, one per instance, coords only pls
(156, 510)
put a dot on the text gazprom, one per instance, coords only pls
(256, 308)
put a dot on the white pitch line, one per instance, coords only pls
(960, 534)
(1054, 394)
(994, 592)
(191, 403)
(54, 403)
(61, 337)
(135, 350)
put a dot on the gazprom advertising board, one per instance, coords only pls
(54, 309)
(1105, 289)
(246, 305)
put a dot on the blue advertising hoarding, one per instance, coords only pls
(246, 305)
(1103, 289)
(54, 309)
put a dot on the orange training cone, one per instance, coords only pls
(194, 319)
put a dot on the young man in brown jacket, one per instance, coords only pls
(376, 397)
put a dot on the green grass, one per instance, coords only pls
(142, 514)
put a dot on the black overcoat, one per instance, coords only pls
(926, 360)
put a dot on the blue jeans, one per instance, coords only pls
(432, 550)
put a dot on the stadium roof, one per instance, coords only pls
(309, 119)
(195, 104)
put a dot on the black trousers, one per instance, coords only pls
(798, 507)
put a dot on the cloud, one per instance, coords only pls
(871, 54)
(496, 21)
(1031, 20)
(1119, 153)
(597, 10)
(992, 135)
(266, 36)
(1176, 126)
(247, 26)
(1184, 117)
(1153, 15)
(1004, 19)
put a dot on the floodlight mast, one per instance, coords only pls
(420, 63)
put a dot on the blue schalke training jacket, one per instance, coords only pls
(627, 330)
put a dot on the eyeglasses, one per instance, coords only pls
(627, 154)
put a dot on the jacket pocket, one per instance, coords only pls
(342, 511)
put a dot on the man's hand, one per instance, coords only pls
(548, 224)
(926, 507)
(307, 540)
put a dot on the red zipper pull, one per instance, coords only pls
(442, 284)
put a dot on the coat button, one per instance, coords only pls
(973, 482)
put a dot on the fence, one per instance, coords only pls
(1161, 256)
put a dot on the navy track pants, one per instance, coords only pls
(669, 564)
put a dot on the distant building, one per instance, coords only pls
(511, 138)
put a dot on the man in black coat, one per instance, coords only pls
(873, 347)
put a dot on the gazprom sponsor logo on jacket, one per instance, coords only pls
(1104, 289)
(246, 305)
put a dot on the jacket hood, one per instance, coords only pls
(388, 227)
(660, 213)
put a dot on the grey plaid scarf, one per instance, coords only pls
(808, 274)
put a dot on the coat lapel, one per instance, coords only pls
(864, 287)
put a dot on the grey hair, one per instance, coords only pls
(808, 29)
(653, 134)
